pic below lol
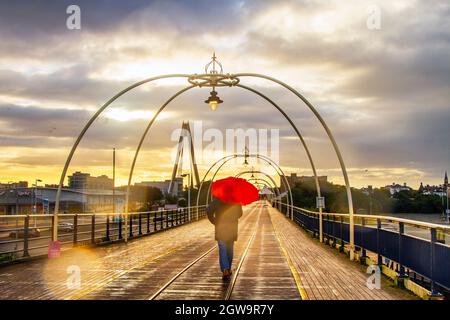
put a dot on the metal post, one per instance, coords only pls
(131, 226)
(113, 195)
(107, 228)
(93, 229)
(363, 250)
(189, 196)
(341, 247)
(140, 224)
(114, 181)
(162, 220)
(401, 231)
(25, 236)
(54, 225)
(35, 198)
(379, 257)
(148, 222)
(167, 219)
(75, 229)
(320, 225)
(432, 260)
(120, 227)
(17, 201)
(334, 236)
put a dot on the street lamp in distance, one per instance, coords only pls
(35, 195)
(189, 194)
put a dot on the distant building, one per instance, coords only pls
(395, 188)
(21, 200)
(164, 186)
(293, 179)
(432, 190)
(367, 191)
(440, 190)
(84, 181)
(12, 185)
(53, 185)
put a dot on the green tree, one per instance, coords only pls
(407, 201)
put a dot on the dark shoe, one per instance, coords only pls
(226, 274)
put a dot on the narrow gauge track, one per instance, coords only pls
(230, 285)
(152, 272)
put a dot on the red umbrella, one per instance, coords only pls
(234, 190)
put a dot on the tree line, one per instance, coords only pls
(378, 201)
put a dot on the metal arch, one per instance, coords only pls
(235, 76)
(271, 179)
(264, 183)
(207, 172)
(141, 141)
(263, 173)
(82, 133)
(305, 146)
(286, 182)
(259, 172)
(335, 146)
(268, 160)
(267, 184)
(229, 157)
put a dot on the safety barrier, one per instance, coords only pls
(413, 249)
(24, 236)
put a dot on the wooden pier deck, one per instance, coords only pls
(274, 259)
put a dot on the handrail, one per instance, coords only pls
(12, 216)
(391, 218)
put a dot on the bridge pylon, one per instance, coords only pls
(184, 134)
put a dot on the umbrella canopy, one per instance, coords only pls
(234, 190)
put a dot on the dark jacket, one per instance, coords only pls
(224, 216)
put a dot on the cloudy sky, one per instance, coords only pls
(384, 92)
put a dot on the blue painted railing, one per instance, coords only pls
(414, 249)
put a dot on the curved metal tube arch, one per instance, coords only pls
(207, 172)
(270, 178)
(264, 183)
(144, 135)
(267, 184)
(268, 160)
(333, 142)
(228, 158)
(259, 172)
(83, 131)
(305, 146)
(235, 76)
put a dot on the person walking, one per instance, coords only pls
(224, 217)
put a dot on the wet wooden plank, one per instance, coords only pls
(47, 279)
(325, 273)
(265, 273)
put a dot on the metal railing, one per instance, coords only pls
(413, 249)
(25, 236)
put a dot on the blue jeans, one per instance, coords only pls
(225, 254)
